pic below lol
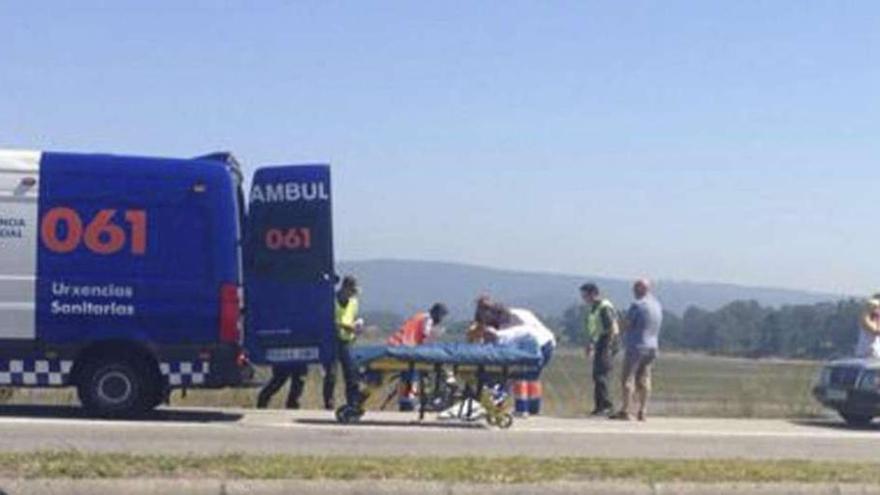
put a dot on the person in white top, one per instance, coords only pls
(522, 324)
(868, 345)
(518, 326)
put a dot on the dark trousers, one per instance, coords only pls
(349, 374)
(280, 374)
(603, 364)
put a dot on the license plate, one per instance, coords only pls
(291, 354)
(834, 394)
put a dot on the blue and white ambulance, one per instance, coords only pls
(127, 277)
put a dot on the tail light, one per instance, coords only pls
(230, 311)
(241, 359)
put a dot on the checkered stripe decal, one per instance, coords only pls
(35, 372)
(185, 373)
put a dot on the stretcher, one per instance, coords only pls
(481, 373)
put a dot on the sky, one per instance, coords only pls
(705, 141)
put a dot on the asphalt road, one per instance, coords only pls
(315, 432)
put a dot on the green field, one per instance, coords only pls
(697, 385)
(684, 385)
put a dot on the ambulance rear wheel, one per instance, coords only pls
(160, 396)
(116, 388)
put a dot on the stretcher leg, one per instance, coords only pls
(392, 394)
(423, 397)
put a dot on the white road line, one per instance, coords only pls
(424, 429)
(105, 423)
(716, 433)
(431, 427)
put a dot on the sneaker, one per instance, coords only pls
(621, 416)
(521, 414)
(601, 412)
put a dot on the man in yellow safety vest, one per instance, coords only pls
(348, 326)
(602, 329)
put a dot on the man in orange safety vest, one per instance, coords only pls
(421, 328)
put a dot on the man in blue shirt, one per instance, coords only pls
(641, 341)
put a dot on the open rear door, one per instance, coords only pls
(288, 258)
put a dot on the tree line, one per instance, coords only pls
(746, 328)
(741, 328)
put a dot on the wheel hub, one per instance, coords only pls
(114, 387)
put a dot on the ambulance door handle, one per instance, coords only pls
(25, 185)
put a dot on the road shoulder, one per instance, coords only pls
(396, 487)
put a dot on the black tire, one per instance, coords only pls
(117, 388)
(347, 415)
(858, 420)
(160, 396)
(342, 414)
(505, 421)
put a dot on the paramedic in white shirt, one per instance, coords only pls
(520, 327)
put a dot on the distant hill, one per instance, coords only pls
(404, 287)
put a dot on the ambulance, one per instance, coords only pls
(126, 277)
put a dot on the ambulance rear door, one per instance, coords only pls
(288, 266)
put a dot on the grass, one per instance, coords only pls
(699, 385)
(78, 465)
(684, 385)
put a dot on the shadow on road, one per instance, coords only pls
(73, 412)
(413, 424)
(838, 425)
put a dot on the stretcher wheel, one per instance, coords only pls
(348, 414)
(504, 421)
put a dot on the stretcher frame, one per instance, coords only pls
(476, 379)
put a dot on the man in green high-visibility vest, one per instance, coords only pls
(602, 329)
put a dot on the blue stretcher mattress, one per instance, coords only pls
(452, 354)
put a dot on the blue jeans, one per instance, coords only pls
(349, 374)
(546, 356)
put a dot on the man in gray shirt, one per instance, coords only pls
(641, 341)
